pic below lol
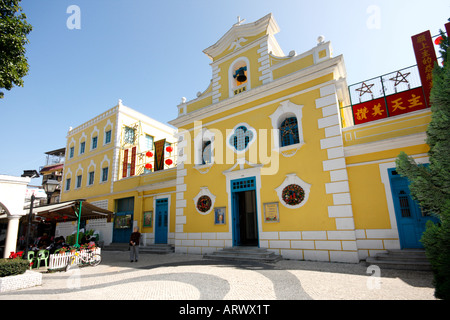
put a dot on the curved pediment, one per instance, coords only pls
(242, 34)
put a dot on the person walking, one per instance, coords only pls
(134, 245)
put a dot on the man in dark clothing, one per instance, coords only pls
(134, 245)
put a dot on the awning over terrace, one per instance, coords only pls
(69, 210)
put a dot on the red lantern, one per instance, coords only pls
(65, 217)
(148, 166)
(169, 149)
(169, 162)
(438, 40)
(149, 154)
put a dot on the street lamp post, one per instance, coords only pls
(30, 216)
(50, 187)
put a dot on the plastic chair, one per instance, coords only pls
(30, 258)
(42, 255)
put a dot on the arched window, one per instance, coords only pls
(206, 152)
(289, 132)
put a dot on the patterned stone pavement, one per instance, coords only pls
(189, 277)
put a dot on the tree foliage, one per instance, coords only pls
(430, 186)
(13, 37)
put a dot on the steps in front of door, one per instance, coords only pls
(244, 254)
(405, 259)
(116, 247)
(157, 249)
(152, 248)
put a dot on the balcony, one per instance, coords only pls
(136, 163)
(388, 95)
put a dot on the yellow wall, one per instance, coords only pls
(142, 187)
(408, 124)
(296, 65)
(97, 156)
(306, 164)
(368, 197)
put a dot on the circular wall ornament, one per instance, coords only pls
(293, 194)
(204, 201)
(204, 204)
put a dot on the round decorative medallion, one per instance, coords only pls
(204, 204)
(293, 194)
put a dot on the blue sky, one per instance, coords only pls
(149, 54)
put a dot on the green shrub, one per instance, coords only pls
(436, 240)
(11, 267)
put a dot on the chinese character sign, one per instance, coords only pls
(425, 57)
(159, 154)
(392, 105)
(369, 111)
(406, 101)
(447, 28)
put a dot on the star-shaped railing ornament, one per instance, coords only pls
(400, 77)
(364, 89)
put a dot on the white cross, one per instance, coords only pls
(239, 21)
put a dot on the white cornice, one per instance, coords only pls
(146, 119)
(386, 144)
(93, 121)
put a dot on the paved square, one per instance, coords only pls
(189, 277)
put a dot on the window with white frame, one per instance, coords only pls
(68, 180)
(91, 178)
(78, 184)
(206, 152)
(105, 174)
(82, 147)
(289, 131)
(204, 147)
(287, 125)
(107, 136)
(128, 136)
(94, 143)
(148, 142)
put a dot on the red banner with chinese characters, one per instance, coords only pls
(133, 162)
(396, 104)
(406, 101)
(425, 57)
(369, 111)
(125, 163)
(447, 28)
(159, 154)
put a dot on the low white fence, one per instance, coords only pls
(60, 260)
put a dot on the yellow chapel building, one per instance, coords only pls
(267, 157)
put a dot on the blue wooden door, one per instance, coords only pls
(411, 222)
(123, 220)
(236, 221)
(161, 220)
(244, 213)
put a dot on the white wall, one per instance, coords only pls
(104, 228)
